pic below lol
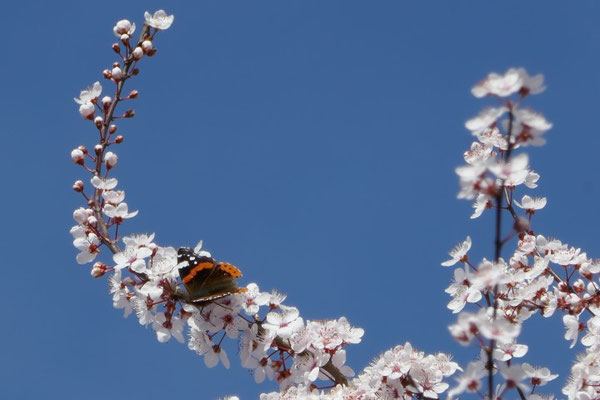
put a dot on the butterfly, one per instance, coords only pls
(204, 278)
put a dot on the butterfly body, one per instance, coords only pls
(204, 278)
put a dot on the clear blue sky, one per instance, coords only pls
(316, 141)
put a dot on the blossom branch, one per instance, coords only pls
(105, 134)
(147, 279)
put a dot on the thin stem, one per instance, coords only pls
(498, 249)
(108, 118)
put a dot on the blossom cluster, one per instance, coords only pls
(508, 292)
(275, 343)
(399, 373)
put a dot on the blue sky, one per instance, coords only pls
(311, 143)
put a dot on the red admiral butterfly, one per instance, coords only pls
(206, 279)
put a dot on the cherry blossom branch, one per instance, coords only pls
(515, 290)
(498, 243)
(128, 61)
(147, 279)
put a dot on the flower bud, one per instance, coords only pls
(106, 74)
(138, 53)
(87, 110)
(83, 149)
(122, 26)
(112, 129)
(98, 149)
(117, 73)
(106, 101)
(116, 48)
(129, 113)
(124, 38)
(110, 159)
(578, 286)
(134, 93)
(521, 224)
(78, 186)
(77, 156)
(98, 269)
(81, 215)
(92, 221)
(98, 121)
(119, 139)
(135, 71)
(147, 46)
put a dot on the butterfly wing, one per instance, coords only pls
(205, 279)
(216, 282)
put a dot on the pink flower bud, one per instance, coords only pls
(87, 110)
(98, 269)
(106, 101)
(134, 93)
(116, 48)
(77, 156)
(147, 46)
(83, 149)
(112, 129)
(138, 53)
(98, 149)
(110, 159)
(124, 38)
(119, 139)
(78, 186)
(98, 121)
(106, 74)
(521, 224)
(135, 71)
(117, 73)
(129, 113)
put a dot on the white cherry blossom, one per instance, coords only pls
(285, 322)
(531, 84)
(167, 328)
(113, 197)
(119, 212)
(499, 85)
(87, 246)
(159, 20)
(538, 376)
(531, 205)
(513, 375)
(132, 257)
(480, 205)
(104, 184)
(458, 253)
(573, 327)
(493, 137)
(89, 94)
(485, 119)
(505, 351)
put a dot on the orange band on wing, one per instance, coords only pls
(196, 269)
(231, 270)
